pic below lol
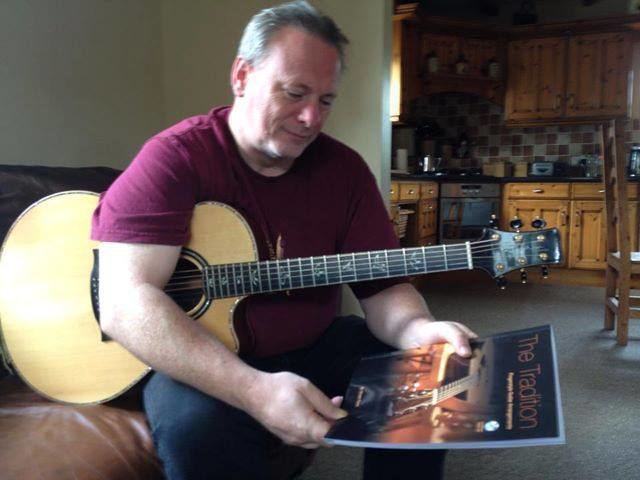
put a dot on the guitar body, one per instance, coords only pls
(47, 322)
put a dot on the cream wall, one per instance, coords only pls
(200, 43)
(80, 81)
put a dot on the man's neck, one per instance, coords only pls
(256, 160)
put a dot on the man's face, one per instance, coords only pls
(287, 97)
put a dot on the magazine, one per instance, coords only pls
(505, 395)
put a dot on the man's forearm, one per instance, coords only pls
(152, 327)
(391, 313)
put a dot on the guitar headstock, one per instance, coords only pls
(498, 252)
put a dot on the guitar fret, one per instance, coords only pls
(278, 273)
(444, 251)
(268, 265)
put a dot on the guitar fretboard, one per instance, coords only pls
(239, 279)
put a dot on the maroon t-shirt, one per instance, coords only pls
(327, 203)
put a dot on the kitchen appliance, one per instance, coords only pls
(633, 163)
(544, 169)
(429, 163)
(465, 209)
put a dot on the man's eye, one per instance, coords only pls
(294, 95)
(326, 102)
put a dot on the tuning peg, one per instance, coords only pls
(523, 275)
(516, 224)
(493, 221)
(539, 223)
(545, 271)
(502, 282)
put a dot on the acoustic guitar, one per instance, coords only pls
(48, 295)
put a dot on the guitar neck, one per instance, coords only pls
(454, 388)
(239, 279)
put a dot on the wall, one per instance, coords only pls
(201, 41)
(79, 80)
(483, 122)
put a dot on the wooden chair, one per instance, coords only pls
(622, 263)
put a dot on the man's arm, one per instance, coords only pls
(399, 317)
(141, 317)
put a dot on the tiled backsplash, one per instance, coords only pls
(483, 123)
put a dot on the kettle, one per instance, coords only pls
(429, 163)
(633, 163)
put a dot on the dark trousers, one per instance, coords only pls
(200, 437)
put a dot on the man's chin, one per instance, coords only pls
(287, 152)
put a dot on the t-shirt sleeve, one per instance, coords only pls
(368, 227)
(152, 200)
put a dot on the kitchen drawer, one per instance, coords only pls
(596, 190)
(394, 192)
(409, 191)
(428, 190)
(538, 190)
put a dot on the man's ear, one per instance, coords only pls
(239, 73)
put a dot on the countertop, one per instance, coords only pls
(491, 179)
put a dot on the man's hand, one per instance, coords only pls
(424, 332)
(293, 409)
(399, 317)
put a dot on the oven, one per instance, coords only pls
(465, 209)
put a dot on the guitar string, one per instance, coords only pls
(195, 286)
(453, 252)
(331, 268)
(332, 265)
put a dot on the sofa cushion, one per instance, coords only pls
(48, 440)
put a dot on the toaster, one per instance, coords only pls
(546, 169)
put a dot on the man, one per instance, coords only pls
(212, 412)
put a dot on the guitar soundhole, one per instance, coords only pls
(185, 286)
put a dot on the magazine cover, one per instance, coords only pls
(505, 395)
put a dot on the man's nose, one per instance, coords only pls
(310, 114)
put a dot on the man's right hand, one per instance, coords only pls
(292, 408)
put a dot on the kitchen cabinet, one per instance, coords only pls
(535, 79)
(588, 241)
(421, 198)
(568, 78)
(576, 209)
(436, 55)
(531, 200)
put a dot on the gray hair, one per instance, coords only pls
(254, 45)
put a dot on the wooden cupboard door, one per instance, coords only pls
(554, 212)
(587, 248)
(427, 218)
(598, 73)
(536, 77)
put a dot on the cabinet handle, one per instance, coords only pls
(600, 191)
(538, 190)
(563, 218)
(411, 191)
(577, 224)
(558, 102)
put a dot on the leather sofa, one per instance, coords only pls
(43, 439)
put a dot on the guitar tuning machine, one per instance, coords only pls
(539, 223)
(545, 271)
(502, 282)
(516, 224)
(523, 275)
(493, 221)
